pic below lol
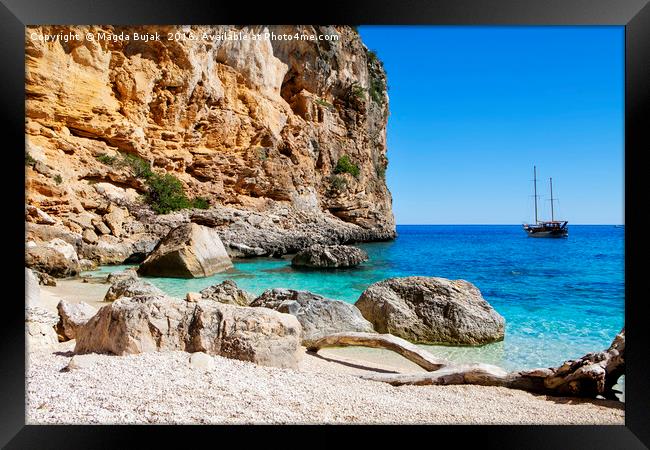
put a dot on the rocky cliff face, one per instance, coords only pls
(256, 127)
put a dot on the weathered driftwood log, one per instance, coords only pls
(409, 351)
(593, 374)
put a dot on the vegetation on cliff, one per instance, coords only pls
(259, 128)
(345, 165)
(165, 192)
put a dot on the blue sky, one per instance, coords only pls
(473, 108)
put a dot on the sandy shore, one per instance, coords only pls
(165, 388)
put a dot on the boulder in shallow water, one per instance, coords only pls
(71, 317)
(431, 310)
(188, 251)
(130, 286)
(160, 323)
(114, 277)
(319, 316)
(329, 256)
(227, 292)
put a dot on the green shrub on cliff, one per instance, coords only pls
(381, 172)
(325, 103)
(107, 159)
(345, 165)
(377, 84)
(165, 194)
(377, 89)
(140, 167)
(200, 203)
(357, 91)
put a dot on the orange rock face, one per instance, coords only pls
(248, 124)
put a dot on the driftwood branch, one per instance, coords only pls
(593, 374)
(409, 351)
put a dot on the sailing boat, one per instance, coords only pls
(550, 228)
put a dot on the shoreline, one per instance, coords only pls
(163, 387)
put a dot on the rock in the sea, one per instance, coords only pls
(56, 257)
(431, 310)
(159, 323)
(130, 286)
(87, 264)
(329, 256)
(39, 327)
(188, 251)
(318, 316)
(114, 277)
(71, 317)
(227, 292)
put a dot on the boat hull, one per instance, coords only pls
(547, 230)
(548, 234)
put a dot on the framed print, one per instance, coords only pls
(398, 214)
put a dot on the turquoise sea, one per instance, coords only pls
(561, 298)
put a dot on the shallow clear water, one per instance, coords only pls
(561, 298)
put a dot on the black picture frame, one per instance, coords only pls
(633, 14)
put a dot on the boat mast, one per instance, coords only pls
(535, 187)
(552, 215)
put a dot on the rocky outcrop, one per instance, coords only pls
(56, 257)
(279, 230)
(329, 256)
(258, 126)
(159, 323)
(260, 335)
(431, 310)
(47, 279)
(128, 285)
(227, 292)
(72, 316)
(318, 316)
(39, 327)
(188, 251)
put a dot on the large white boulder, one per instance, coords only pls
(161, 323)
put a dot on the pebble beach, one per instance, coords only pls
(166, 388)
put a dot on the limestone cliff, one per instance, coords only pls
(254, 126)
